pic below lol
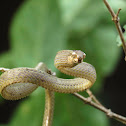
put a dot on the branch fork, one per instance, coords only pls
(115, 18)
(91, 100)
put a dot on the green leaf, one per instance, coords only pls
(35, 29)
(41, 28)
(81, 16)
(71, 8)
(32, 108)
(74, 112)
(101, 50)
(117, 3)
(30, 111)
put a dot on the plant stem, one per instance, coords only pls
(115, 18)
(108, 112)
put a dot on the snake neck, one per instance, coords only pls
(82, 70)
(64, 61)
(61, 59)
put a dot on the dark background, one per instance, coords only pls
(112, 95)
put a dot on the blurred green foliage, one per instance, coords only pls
(39, 29)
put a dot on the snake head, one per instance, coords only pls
(69, 58)
(77, 56)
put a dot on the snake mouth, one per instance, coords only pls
(78, 56)
(79, 60)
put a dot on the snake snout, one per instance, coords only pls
(79, 55)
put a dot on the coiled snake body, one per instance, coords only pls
(19, 82)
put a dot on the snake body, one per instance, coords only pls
(19, 82)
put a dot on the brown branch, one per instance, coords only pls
(93, 97)
(108, 112)
(91, 100)
(115, 18)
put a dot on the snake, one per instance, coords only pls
(19, 82)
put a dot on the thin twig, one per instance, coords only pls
(108, 112)
(115, 18)
(49, 98)
(93, 97)
(91, 100)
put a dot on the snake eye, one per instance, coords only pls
(78, 56)
(74, 54)
(75, 60)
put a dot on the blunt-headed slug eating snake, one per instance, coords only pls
(19, 82)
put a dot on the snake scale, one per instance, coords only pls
(19, 82)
